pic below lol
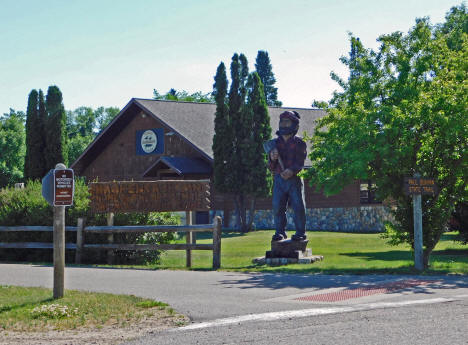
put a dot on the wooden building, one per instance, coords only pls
(156, 139)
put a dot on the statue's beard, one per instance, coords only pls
(287, 130)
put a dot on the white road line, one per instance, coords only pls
(308, 312)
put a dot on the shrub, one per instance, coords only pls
(28, 207)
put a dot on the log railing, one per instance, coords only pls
(81, 231)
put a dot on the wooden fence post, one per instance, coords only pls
(110, 238)
(217, 242)
(188, 238)
(194, 234)
(59, 251)
(79, 240)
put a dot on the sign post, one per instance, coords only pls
(418, 236)
(58, 190)
(416, 186)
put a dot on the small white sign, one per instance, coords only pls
(149, 141)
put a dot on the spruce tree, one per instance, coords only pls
(40, 164)
(259, 180)
(235, 103)
(242, 124)
(34, 163)
(243, 75)
(265, 71)
(31, 117)
(37, 166)
(222, 140)
(56, 128)
(256, 178)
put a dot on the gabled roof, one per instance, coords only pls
(181, 166)
(194, 122)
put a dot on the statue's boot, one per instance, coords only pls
(298, 237)
(279, 236)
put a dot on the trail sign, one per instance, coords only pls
(418, 185)
(58, 187)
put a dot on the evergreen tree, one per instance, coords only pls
(56, 151)
(31, 118)
(235, 103)
(40, 164)
(257, 179)
(243, 75)
(34, 167)
(222, 140)
(265, 71)
(241, 126)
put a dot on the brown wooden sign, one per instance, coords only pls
(419, 185)
(63, 187)
(150, 196)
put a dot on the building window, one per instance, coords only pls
(367, 193)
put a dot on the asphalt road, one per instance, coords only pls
(235, 308)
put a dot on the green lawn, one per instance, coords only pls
(343, 253)
(25, 309)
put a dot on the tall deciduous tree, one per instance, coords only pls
(184, 96)
(403, 110)
(12, 147)
(265, 71)
(56, 136)
(83, 124)
(104, 116)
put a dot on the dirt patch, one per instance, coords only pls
(107, 335)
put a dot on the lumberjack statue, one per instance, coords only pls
(286, 155)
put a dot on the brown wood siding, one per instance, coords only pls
(348, 197)
(119, 161)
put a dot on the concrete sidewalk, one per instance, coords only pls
(212, 295)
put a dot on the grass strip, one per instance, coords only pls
(25, 309)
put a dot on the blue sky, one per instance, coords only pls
(103, 53)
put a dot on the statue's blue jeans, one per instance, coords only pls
(284, 190)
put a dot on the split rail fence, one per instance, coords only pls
(82, 230)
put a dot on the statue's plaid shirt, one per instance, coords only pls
(293, 153)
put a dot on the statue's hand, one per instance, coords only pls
(287, 174)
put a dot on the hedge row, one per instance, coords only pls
(28, 207)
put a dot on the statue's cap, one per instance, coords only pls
(292, 115)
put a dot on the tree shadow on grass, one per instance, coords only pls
(224, 234)
(6, 308)
(393, 255)
(462, 253)
(454, 237)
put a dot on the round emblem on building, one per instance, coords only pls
(149, 141)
